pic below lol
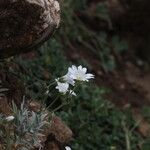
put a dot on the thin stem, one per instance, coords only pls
(8, 146)
(128, 144)
(53, 102)
(51, 84)
(57, 108)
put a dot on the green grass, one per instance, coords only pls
(98, 125)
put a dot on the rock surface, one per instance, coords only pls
(25, 24)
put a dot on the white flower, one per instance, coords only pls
(62, 87)
(67, 78)
(10, 118)
(67, 148)
(72, 93)
(79, 73)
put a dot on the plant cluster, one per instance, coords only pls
(23, 130)
(67, 84)
(96, 123)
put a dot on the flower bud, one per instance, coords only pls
(10, 118)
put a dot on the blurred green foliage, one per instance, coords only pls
(97, 124)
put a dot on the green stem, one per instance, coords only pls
(53, 102)
(127, 136)
(57, 108)
(51, 84)
(66, 103)
(8, 146)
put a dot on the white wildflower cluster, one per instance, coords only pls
(74, 74)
